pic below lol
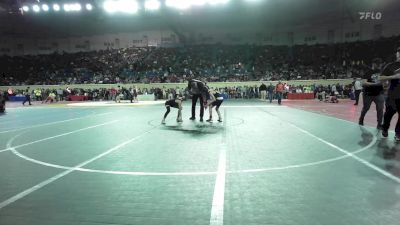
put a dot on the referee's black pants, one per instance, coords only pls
(27, 99)
(194, 102)
(379, 101)
(392, 106)
(357, 95)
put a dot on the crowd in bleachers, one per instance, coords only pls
(209, 62)
(106, 66)
(125, 93)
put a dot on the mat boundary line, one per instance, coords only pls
(62, 174)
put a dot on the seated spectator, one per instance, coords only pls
(320, 94)
(50, 98)
(332, 98)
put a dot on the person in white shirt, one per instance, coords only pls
(357, 89)
(333, 88)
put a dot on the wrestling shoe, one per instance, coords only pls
(201, 119)
(192, 118)
(163, 122)
(361, 122)
(219, 120)
(179, 120)
(385, 133)
(209, 120)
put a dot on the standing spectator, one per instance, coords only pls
(135, 94)
(38, 94)
(279, 89)
(60, 95)
(256, 91)
(44, 94)
(334, 89)
(357, 89)
(340, 89)
(263, 91)
(114, 93)
(270, 92)
(286, 90)
(170, 94)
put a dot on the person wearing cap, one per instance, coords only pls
(174, 103)
(391, 73)
(198, 90)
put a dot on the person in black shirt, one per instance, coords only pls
(135, 94)
(373, 92)
(2, 103)
(391, 72)
(263, 91)
(270, 90)
(174, 103)
(27, 97)
(199, 90)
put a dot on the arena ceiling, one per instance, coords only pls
(266, 14)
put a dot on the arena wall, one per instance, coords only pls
(28, 46)
(324, 29)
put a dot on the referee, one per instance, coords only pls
(199, 90)
(27, 96)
